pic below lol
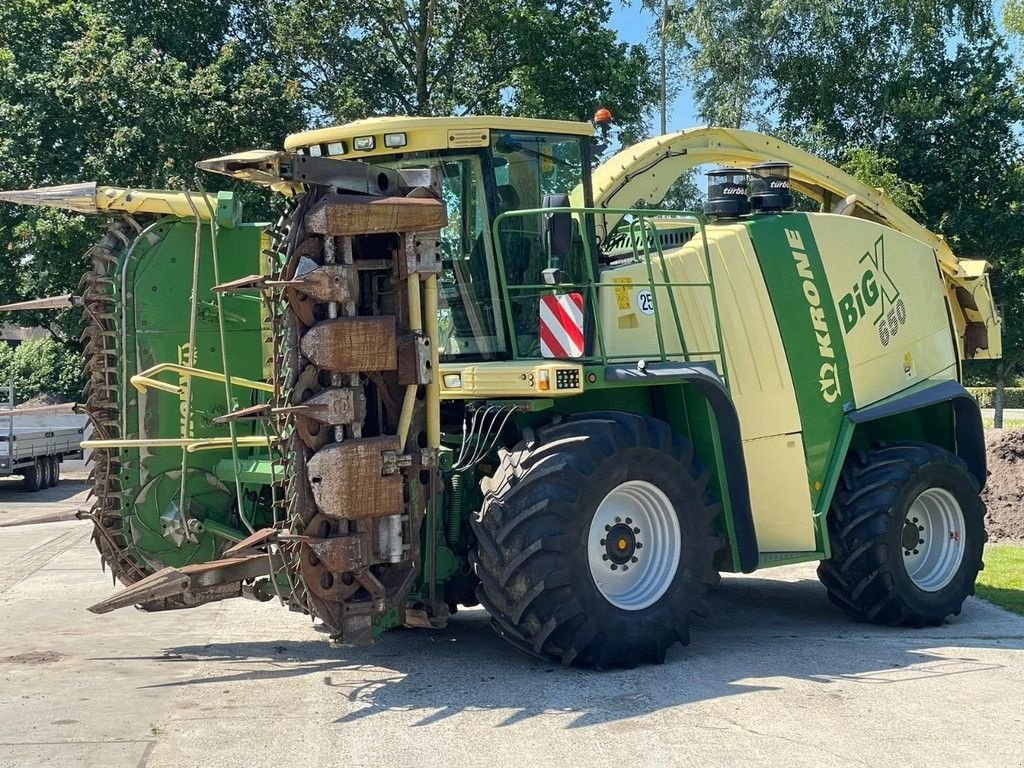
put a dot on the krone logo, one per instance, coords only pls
(828, 374)
(828, 378)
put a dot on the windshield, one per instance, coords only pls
(527, 168)
(469, 316)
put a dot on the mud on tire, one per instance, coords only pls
(533, 530)
(869, 573)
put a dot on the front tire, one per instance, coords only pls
(907, 528)
(595, 541)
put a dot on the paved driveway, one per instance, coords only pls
(775, 676)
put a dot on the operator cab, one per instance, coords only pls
(487, 168)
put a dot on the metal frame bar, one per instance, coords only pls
(646, 245)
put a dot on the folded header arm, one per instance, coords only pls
(645, 171)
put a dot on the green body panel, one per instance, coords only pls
(157, 294)
(811, 333)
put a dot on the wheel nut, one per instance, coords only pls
(914, 520)
(604, 557)
(920, 541)
(629, 521)
(639, 545)
(618, 519)
(915, 551)
(920, 527)
(635, 559)
(625, 567)
(636, 530)
(615, 567)
(603, 541)
(607, 527)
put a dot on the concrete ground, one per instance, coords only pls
(21, 507)
(774, 676)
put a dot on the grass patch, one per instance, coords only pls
(1007, 423)
(1002, 581)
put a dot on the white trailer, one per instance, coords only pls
(34, 441)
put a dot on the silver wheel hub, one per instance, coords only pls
(932, 539)
(634, 545)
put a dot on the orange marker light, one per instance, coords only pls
(603, 116)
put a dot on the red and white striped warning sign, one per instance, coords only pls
(561, 325)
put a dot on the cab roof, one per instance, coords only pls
(422, 134)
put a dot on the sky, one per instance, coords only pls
(634, 26)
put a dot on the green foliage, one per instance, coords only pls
(872, 168)
(556, 59)
(1013, 396)
(1002, 581)
(1013, 16)
(127, 93)
(42, 366)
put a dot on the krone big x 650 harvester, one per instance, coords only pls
(466, 368)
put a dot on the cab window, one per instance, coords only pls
(527, 167)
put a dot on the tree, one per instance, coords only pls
(769, 63)
(556, 59)
(132, 99)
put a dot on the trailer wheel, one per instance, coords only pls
(907, 528)
(50, 462)
(595, 541)
(35, 477)
(56, 470)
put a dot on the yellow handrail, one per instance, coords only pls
(145, 380)
(190, 445)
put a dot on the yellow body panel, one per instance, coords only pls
(87, 197)
(903, 336)
(779, 495)
(757, 369)
(511, 380)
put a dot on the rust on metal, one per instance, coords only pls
(348, 482)
(420, 254)
(414, 365)
(343, 215)
(261, 538)
(352, 344)
(334, 406)
(324, 283)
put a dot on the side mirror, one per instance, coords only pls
(558, 229)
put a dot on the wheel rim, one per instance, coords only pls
(932, 539)
(634, 545)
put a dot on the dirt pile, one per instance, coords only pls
(42, 399)
(1004, 491)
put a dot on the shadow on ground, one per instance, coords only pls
(764, 633)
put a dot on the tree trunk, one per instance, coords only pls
(422, 47)
(1000, 396)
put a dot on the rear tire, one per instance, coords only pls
(545, 553)
(907, 528)
(56, 470)
(35, 477)
(51, 471)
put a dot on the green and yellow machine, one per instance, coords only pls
(473, 364)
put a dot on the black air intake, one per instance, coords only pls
(727, 193)
(769, 188)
